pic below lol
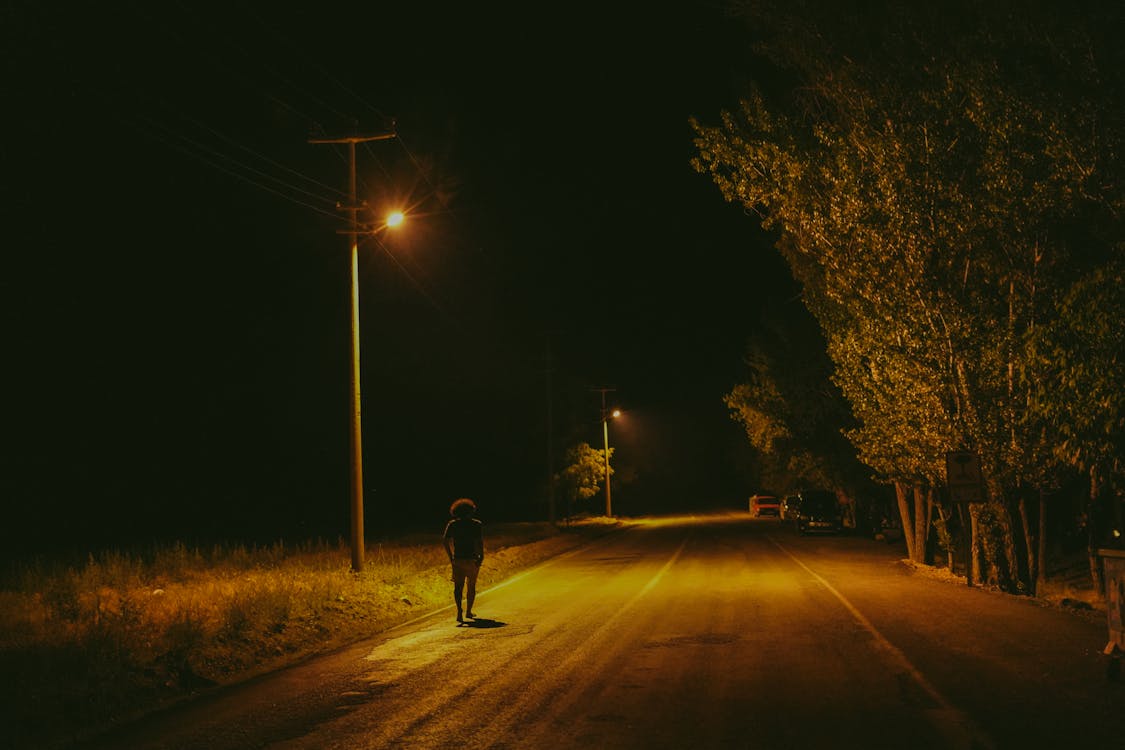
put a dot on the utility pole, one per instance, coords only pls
(605, 436)
(355, 424)
(550, 437)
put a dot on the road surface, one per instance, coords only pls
(704, 632)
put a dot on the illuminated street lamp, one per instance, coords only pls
(352, 209)
(356, 427)
(606, 416)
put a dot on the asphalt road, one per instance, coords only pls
(709, 632)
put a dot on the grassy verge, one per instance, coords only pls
(1068, 583)
(82, 647)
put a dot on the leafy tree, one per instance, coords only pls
(584, 473)
(1080, 355)
(922, 187)
(792, 413)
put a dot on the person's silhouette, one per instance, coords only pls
(464, 543)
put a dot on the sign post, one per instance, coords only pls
(966, 486)
(962, 475)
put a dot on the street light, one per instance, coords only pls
(605, 434)
(356, 428)
(352, 209)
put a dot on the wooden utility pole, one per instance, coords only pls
(605, 436)
(551, 514)
(355, 424)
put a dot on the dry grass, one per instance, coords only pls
(84, 646)
(1068, 583)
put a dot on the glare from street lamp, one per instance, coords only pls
(395, 218)
(616, 413)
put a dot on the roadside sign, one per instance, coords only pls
(966, 494)
(963, 476)
(1114, 562)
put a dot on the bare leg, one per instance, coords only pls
(472, 593)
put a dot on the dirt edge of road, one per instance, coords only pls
(1080, 601)
(413, 597)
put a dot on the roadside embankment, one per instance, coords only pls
(83, 647)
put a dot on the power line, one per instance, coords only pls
(213, 162)
(264, 158)
(417, 284)
(237, 68)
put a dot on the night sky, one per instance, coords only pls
(174, 289)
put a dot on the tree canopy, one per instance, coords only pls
(946, 186)
(584, 473)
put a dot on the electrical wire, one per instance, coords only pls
(417, 284)
(201, 153)
(216, 157)
(264, 158)
(224, 162)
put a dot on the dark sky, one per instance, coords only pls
(174, 287)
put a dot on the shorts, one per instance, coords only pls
(465, 569)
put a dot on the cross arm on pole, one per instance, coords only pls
(353, 139)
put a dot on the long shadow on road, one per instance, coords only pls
(483, 622)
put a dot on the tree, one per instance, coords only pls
(1081, 354)
(792, 413)
(925, 192)
(584, 473)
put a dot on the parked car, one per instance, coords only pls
(765, 505)
(790, 505)
(890, 530)
(819, 512)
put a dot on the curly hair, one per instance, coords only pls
(462, 507)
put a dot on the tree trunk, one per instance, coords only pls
(1029, 544)
(1041, 571)
(920, 526)
(950, 544)
(848, 503)
(928, 555)
(1092, 532)
(1006, 566)
(904, 513)
(964, 540)
(974, 553)
(1118, 513)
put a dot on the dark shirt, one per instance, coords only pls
(467, 536)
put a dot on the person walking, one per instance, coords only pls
(464, 544)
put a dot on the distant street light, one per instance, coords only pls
(605, 434)
(606, 416)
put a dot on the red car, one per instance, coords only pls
(765, 505)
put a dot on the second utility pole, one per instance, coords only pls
(356, 428)
(605, 436)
